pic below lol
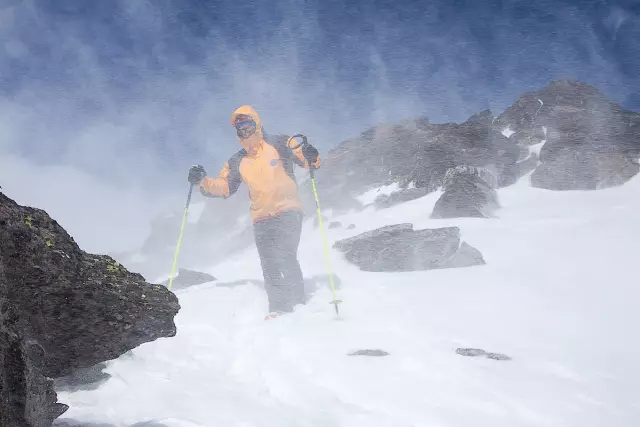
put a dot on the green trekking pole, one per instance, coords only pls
(184, 221)
(325, 245)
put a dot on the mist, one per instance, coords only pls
(105, 105)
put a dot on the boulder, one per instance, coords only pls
(400, 248)
(335, 224)
(386, 201)
(590, 142)
(82, 379)
(584, 170)
(416, 152)
(469, 192)
(186, 278)
(62, 309)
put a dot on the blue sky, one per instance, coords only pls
(326, 67)
(134, 91)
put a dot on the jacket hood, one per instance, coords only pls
(247, 110)
(251, 144)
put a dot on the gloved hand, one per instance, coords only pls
(311, 154)
(196, 174)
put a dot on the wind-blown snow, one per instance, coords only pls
(195, 212)
(371, 195)
(559, 294)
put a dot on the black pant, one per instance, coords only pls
(277, 240)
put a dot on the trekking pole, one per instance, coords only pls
(325, 245)
(184, 221)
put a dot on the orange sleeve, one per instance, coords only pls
(216, 187)
(298, 153)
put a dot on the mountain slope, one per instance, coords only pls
(558, 295)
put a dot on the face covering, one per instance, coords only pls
(245, 128)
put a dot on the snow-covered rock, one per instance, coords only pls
(418, 155)
(469, 192)
(585, 141)
(401, 248)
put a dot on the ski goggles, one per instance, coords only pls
(245, 127)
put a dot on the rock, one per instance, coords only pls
(400, 248)
(526, 137)
(401, 153)
(186, 278)
(387, 231)
(368, 352)
(69, 422)
(527, 165)
(498, 356)
(386, 201)
(471, 352)
(475, 352)
(469, 192)
(584, 170)
(62, 309)
(335, 224)
(351, 227)
(82, 379)
(591, 142)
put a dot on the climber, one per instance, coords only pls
(266, 166)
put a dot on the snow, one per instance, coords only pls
(558, 294)
(536, 148)
(508, 132)
(371, 195)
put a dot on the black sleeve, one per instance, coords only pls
(235, 179)
(280, 143)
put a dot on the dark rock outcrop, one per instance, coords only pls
(186, 278)
(400, 248)
(584, 170)
(82, 379)
(469, 192)
(335, 224)
(591, 142)
(414, 152)
(386, 201)
(527, 165)
(62, 309)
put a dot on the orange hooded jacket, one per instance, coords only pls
(266, 168)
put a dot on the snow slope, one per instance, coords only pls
(559, 294)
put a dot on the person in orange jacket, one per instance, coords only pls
(266, 166)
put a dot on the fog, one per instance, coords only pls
(105, 105)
